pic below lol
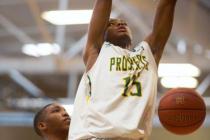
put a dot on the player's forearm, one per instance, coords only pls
(99, 20)
(162, 27)
(167, 2)
(100, 17)
(164, 17)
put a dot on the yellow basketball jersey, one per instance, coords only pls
(116, 97)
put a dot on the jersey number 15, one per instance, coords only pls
(130, 82)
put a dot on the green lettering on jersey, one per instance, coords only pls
(130, 61)
(112, 63)
(118, 64)
(145, 62)
(124, 63)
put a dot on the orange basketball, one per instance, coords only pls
(181, 110)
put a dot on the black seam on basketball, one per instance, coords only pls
(197, 122)
(180, 109)
(201, 99)
(181, 92)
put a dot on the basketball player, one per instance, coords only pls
(117, 93)
(52, 122)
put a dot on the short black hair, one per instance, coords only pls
(39, 116)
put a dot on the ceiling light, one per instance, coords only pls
(174, 82)
(178, 70)
(41, 49)
(182, 47)
(68, 17)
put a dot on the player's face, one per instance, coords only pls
(57, 119)
(117, 29)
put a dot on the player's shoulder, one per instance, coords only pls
(141, 46)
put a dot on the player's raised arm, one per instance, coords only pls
(99, 20)
(162, 27)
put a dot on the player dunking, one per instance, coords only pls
(116, 96)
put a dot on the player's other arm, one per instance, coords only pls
(98, 23)
(161, 28)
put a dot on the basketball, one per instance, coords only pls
(181, 111)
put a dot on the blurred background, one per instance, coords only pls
(41, 46)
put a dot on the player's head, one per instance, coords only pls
(52, 120)
(118, 32)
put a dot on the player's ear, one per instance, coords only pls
(42, 126)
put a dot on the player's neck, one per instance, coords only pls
(123, 43)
